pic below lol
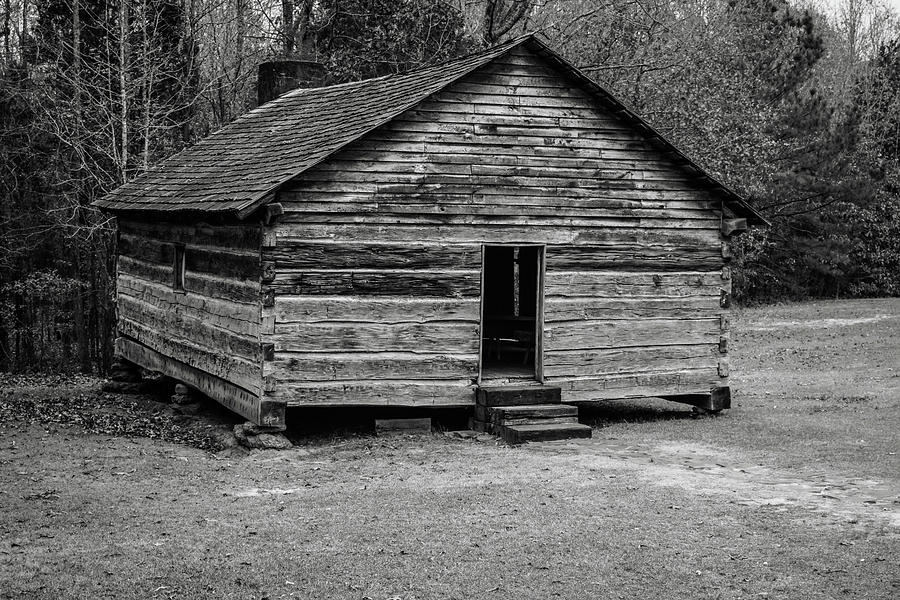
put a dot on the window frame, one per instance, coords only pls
(178, 268)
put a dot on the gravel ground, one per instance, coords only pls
(794, 493)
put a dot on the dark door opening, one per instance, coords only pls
(510, 306)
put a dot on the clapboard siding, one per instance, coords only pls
(377, 256)
(214, 323)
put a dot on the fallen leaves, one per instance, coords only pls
(57, 400)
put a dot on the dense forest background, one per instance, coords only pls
(796, 106)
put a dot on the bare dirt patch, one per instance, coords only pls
(791, 494)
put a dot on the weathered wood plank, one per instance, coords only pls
(366, 393)
(452, 284)
(203, 285)
(617, 284)
(538, 220)
(589, 335)
(291, 254)
(507, 110)
(525, 92)
(246, 404)
(290, 309)
(481, 98)
(442, 210)
(636, 360)
(568, 196)
(606, 205)
(644, 258)
(648, 385)
(598, 179)
(560, 308)
(230, 368)
(199, 330)
(494, 234)
(634, 190)
(514, 146)
(233, 237)
(239, 318)
(443, 337)
(214, 261)
(356, 157)
(152, 272)
(470, 125)
(294, 366)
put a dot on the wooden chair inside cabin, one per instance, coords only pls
(525, 339)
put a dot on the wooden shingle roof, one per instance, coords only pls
(236, 169)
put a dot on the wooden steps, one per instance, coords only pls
(517, 395)
(516, 434)
(524, 413)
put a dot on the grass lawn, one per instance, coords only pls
(793, 493)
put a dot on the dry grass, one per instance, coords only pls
(656, 505)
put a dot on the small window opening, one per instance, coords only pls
(178, 268)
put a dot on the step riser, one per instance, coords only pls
(511, 436)
(532, 412)
(543, 421)
(497, 413)
(518, 396)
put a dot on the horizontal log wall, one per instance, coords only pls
(357, 321)
(213, 325)
(376, 260)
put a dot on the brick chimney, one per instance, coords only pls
(275, 77)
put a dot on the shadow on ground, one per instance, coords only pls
(643, 411)
(311, 424)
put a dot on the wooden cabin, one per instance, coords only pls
(498, 220)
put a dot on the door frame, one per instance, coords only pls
(539, 308)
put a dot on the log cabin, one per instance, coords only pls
(498, 231)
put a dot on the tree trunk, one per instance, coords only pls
(147, 83)
(123, 88)
(82, 339)
(287, 26)
(7, 30)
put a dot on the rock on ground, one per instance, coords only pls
(250, 435)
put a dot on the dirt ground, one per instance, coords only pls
(793, 493)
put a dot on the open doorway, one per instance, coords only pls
(511, 300)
